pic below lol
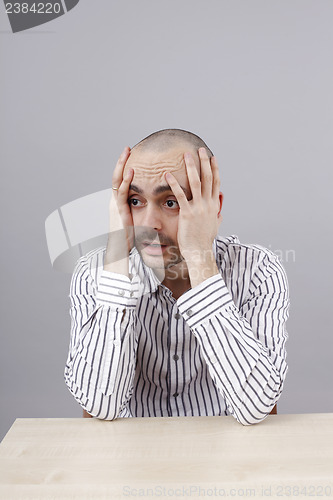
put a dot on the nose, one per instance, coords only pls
(152, 218)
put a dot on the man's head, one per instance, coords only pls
(154, 207)
(167, 138)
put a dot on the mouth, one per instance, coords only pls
(152, 248)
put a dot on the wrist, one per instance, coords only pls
(116, 258)
(201, 266)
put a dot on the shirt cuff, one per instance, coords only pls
(203, 301)
(117, 290)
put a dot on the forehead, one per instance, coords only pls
(149, 165)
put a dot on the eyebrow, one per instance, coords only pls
(159, 189)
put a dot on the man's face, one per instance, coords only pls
(154, 207)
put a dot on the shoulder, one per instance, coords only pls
(248, 268)
(230, 248)
(246, 259)
(90, 265)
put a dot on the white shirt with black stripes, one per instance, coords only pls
(219, 349)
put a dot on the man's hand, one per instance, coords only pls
(121, 231)
(199, 218)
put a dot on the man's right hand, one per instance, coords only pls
(121, 232)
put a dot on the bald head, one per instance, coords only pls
(167, 139)
(154, 205)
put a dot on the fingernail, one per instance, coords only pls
(168, 176)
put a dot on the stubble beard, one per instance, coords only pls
(166, 267)
(168, 263)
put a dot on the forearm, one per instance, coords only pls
(100, 374)
(201, 266)
(102, 355)
(244, 372)
(248, 374)
(116, 257)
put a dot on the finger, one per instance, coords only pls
(206, 174)
(117, 176)
(193, 176)
(121, 212)
(177, 190)
(122, 193)
(216, 177)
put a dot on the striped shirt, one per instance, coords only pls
(219, 349)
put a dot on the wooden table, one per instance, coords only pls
(194, 457)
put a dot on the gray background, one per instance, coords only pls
(253, 78)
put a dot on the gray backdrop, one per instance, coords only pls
(253, 78)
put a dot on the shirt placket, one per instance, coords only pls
(176, 383)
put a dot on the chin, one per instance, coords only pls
(153, 262)
(174, 263)
(158, 262)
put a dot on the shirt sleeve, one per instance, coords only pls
(102, 353)
(243, 345)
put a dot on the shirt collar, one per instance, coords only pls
(148, 281)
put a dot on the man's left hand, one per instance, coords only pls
(200, 217)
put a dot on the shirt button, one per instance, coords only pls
(121, 292)
(178, 316)
(116, 343)
(189, 312)
(175, 394)
(175, 357)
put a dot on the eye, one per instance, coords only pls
(134, 202)
(172, 203)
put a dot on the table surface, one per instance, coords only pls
(178, 457)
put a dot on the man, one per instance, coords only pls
(170, 318)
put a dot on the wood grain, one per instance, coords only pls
(90, 458)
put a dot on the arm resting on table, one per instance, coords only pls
(102, 353)
(244, 345)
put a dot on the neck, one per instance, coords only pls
(176, 278)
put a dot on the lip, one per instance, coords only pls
(149, 242)
(148, 248)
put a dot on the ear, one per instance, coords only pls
(220, 204)
(219, 215)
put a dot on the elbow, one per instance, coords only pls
(98, 415)
(250, 414)
(97, 405)
(250, 420)
(104, 412)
